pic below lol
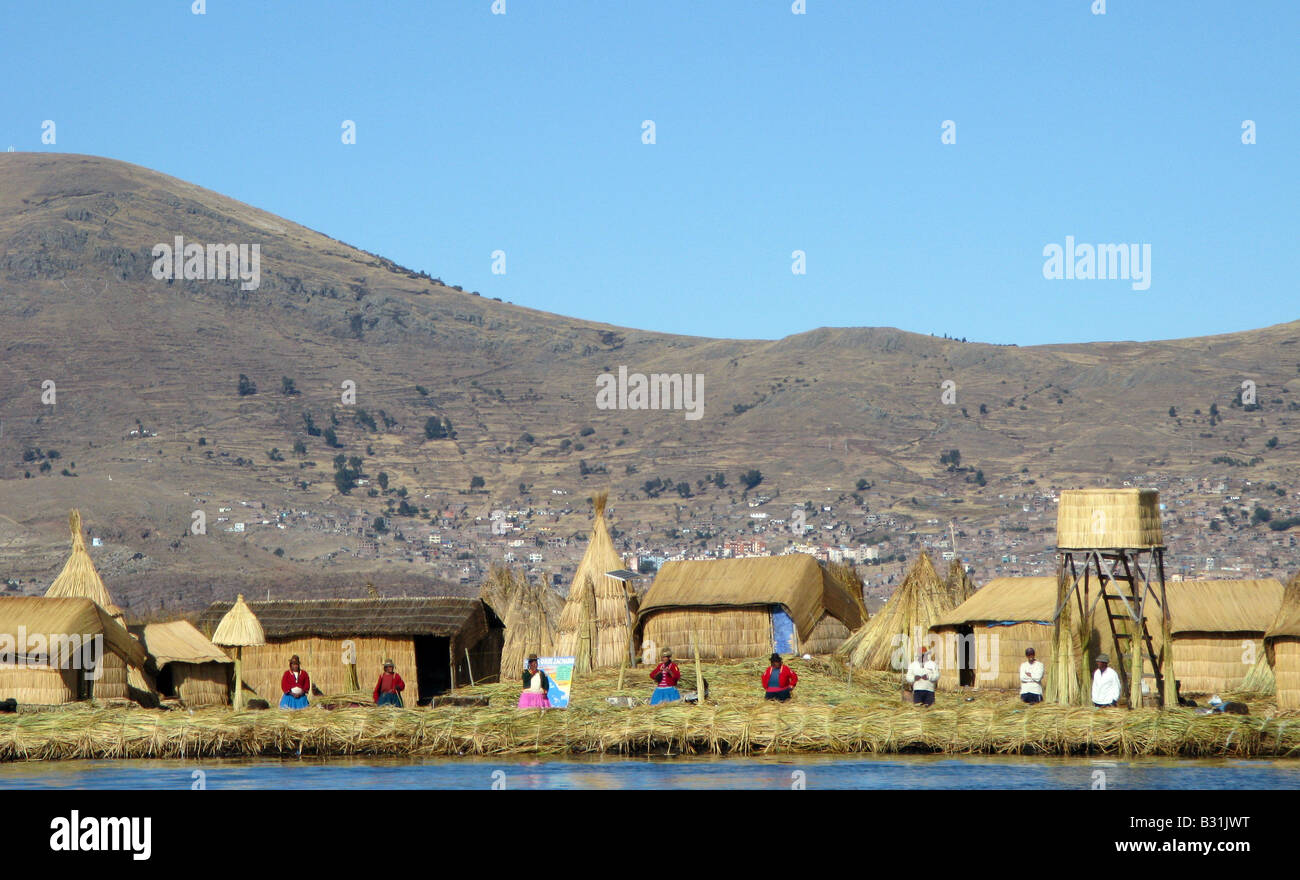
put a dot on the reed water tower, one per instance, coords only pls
(1111, 554)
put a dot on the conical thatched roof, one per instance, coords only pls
(958, 582)
(79, 578)
(918, 603)
(598, 617)
(239, 627)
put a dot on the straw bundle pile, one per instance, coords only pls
(1282, 645)
(596, 625)
(891, 638)
(958, 582)
(531, 620)
(826, 716)
(851, 583)
(1108, 519)
(1067, 678)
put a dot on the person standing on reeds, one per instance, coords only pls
(388, 691)
(536, 685)
(1031, 678)
(778, 680)
(665, 677)
(296, 685)
(922, 674)
(1105, 684)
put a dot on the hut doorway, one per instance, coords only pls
(966, 658)
(782, 631)
(432, 669)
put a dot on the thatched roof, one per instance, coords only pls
(1108, 519)
(596, 624)
(238, 626)
(1194, 606)
(79, 578)
(796, 581)
(177, 641)
(360, 618)
(67, 616)
(1223, 606)
(1006, 599)
(1287, 622)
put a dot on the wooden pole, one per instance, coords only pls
(1166, 636)
(699, 674)
(239, 677)
(469, 668)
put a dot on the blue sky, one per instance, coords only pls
(775, 132)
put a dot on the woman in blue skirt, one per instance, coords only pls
(665, 677)
(296, 685)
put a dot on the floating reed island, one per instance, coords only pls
(829, 714)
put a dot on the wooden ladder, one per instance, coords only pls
(1121, 603)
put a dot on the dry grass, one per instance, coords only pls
(828, 715)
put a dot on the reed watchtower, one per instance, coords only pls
(1111, 552)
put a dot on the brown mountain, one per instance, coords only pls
(815, 412)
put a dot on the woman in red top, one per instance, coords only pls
(778, 680)
(388, 691)
(296, 686)
(665, 677)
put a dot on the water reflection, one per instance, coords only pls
(780, 772)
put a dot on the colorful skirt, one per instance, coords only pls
(289, 701)
(533, 701)
(664, 695)
(392, 698)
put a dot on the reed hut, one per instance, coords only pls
(889, 640)
(747, 607)
(79, 579)
(600, 612)
(981, 643)
(185, 664)
(1218, 630)
(42, 656)
(438, 643)
(1282, 646)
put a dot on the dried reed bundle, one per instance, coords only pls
(958, 582)
(596, 624)
(531, 624)
(890, 638)
(826, 716)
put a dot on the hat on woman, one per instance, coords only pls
(667, 653)
(532, 657)
(389, 662)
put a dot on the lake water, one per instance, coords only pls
(826, 772)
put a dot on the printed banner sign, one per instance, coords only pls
(560, 672)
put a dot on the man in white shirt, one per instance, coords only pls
(1105, 684)
(1031, 679)
(921, 675)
